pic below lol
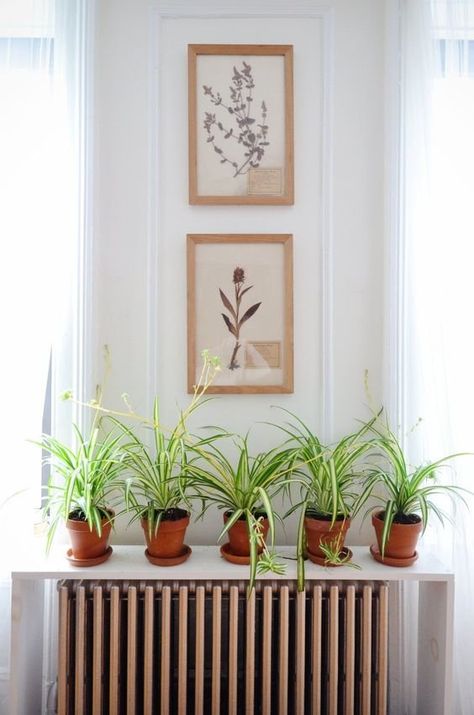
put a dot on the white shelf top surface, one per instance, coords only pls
(206, 563)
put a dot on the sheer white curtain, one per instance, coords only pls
(438, 291)
(40, 178)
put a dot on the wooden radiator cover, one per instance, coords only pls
(166, 647)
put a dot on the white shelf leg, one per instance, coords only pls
(435, 648)
(26, 668)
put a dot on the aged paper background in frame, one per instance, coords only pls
(240, 308)
(240, 102)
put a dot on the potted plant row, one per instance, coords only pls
(86, 479)
(159, 474)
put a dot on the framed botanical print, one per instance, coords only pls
(240, 308)
(240, 124)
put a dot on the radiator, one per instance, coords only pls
(166, 647)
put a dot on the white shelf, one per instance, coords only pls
(206, 563)
(31, 569)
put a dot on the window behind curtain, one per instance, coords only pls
(438, 287)
(30, 142)
(42, 59)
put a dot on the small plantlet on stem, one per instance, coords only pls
(267, 561)
(335, 554)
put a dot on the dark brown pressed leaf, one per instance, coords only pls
(227, 303)
(248, 314)
(228, 323)
(244, 291)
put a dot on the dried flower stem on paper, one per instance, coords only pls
(252, 137)
(235, 322)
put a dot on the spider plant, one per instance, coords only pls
(329, 477)
(244, 490)
(409, 491)
(335, 555)
(159, 466)
(82, 478)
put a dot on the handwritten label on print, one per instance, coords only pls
(263, 354)
(265, 182)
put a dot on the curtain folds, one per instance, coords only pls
(41, 42)
(438, 289)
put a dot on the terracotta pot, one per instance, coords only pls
(320, 531)
(87, 544)
(239, 543)
(402, 540)
(168, 542)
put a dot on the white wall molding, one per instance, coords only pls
(243, 8)
(327, 270)
(162, 10)
(394, 253)
(153, 209)
(86, 339)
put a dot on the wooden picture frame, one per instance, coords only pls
(240, 103)
(240, 307)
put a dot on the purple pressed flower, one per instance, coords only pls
(239, 275)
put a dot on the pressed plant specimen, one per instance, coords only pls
(244, 132)
(235, 321)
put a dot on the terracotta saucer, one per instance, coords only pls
(233, 558)
(173, 561)
(89, 562)
(322, 561)
(390, 560)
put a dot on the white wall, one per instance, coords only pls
(141, 214)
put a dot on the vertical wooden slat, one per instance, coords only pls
(382, 651)
(97, 649)
(300, 651)
(333, 648)
(283, 650)
(233, 666)
(131, 649)
(316, 628)
(63, 650)
(199, 662)
(165, 650)
(80, 653)
(267, 651)
(183, 650)
(250, 654)
(349, 654)
(366, 648)
(148, 636)
(216, 649)
(114, 650)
